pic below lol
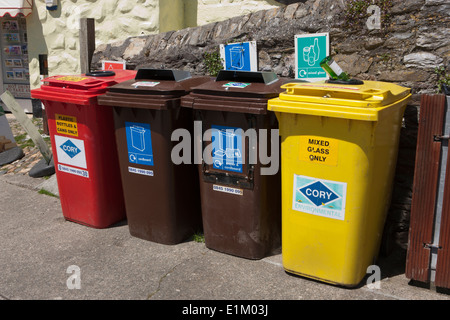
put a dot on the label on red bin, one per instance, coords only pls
(71, 151)
(71, 78)
(74, 171)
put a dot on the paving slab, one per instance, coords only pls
(39, 245)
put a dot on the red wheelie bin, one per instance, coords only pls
(84, 146)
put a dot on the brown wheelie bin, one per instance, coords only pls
(241, 207)
(162, 199)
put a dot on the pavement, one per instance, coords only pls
(45, 257)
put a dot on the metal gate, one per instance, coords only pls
(428, 258)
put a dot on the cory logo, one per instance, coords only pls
(69, 148)
(318, 193)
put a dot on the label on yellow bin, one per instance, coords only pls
(319, 197)
(319, 150)
(66, 125)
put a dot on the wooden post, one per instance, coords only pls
(87, 43)
(421, 244)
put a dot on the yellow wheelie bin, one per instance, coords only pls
(339, 146)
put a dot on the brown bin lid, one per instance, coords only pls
(236, 91)
(152, 89)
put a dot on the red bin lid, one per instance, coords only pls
(80, 89)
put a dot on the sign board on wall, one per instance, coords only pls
(18, 90)
(114, 65)
(240, 56)
(310, 49)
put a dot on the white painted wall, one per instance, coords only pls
(56, 33)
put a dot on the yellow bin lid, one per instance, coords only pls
(362, 102)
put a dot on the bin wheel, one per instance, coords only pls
(101, 73)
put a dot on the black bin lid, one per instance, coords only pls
(162, 74)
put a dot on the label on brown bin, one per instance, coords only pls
(226, 189)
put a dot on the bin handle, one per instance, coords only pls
(350, 82)
(101, 73)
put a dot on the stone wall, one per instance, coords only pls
(218, 10)
(406, 50)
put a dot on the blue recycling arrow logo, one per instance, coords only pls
(70, 148)
(318, 193)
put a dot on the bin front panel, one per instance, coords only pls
(162, 199)
(337, 178)
(86, 164)
(240, 217)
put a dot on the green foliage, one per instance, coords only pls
(23, 142)
(385, 57)
(443, 78)
(213, 62)
(47, 193)
(356, 15)
(199, 237)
